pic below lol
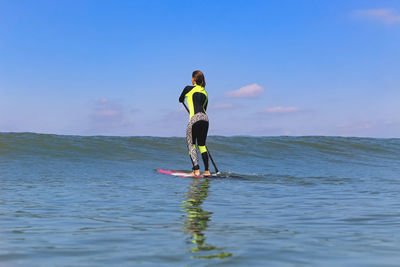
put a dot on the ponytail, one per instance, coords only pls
(198, 77)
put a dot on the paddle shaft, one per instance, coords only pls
(208, 151)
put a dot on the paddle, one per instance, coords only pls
(208, 151)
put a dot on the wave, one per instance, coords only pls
(242, 146)
(280, 160)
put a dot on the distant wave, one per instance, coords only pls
(149, 147)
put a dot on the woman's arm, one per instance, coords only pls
(184, 92)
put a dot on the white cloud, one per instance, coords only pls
(103, 100)
(109, 116)
(105, 110)
(252, 90)
(355, 126)
(385, 15)
(107, 113)
(281, 110)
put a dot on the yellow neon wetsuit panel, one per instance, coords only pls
(197, 99)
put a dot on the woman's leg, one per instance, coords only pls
(196, 130)
(191, 144)
(201, 128)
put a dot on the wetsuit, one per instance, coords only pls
(197, 127)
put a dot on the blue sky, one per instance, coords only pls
(272, 67)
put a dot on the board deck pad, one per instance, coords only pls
(187, 174)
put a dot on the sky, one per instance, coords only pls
(272, 68)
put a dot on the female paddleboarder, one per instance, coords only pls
(197, 128)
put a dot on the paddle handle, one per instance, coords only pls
(185, 107)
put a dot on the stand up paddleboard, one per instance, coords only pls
(186, 174)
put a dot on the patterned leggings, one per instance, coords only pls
(196, 131)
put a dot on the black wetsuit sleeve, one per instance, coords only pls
(184, 92)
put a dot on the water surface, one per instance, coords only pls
(97, 201)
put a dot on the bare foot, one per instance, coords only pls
(195, 173)
(206, 173)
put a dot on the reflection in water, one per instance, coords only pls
(197, 219)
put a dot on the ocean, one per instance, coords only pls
(98, 201)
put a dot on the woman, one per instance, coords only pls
(197, 127)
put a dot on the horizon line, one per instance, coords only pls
(229, 136)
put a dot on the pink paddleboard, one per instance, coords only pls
(177, 173)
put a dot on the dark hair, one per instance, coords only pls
(199, 78)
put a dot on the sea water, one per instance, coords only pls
(98, 201)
